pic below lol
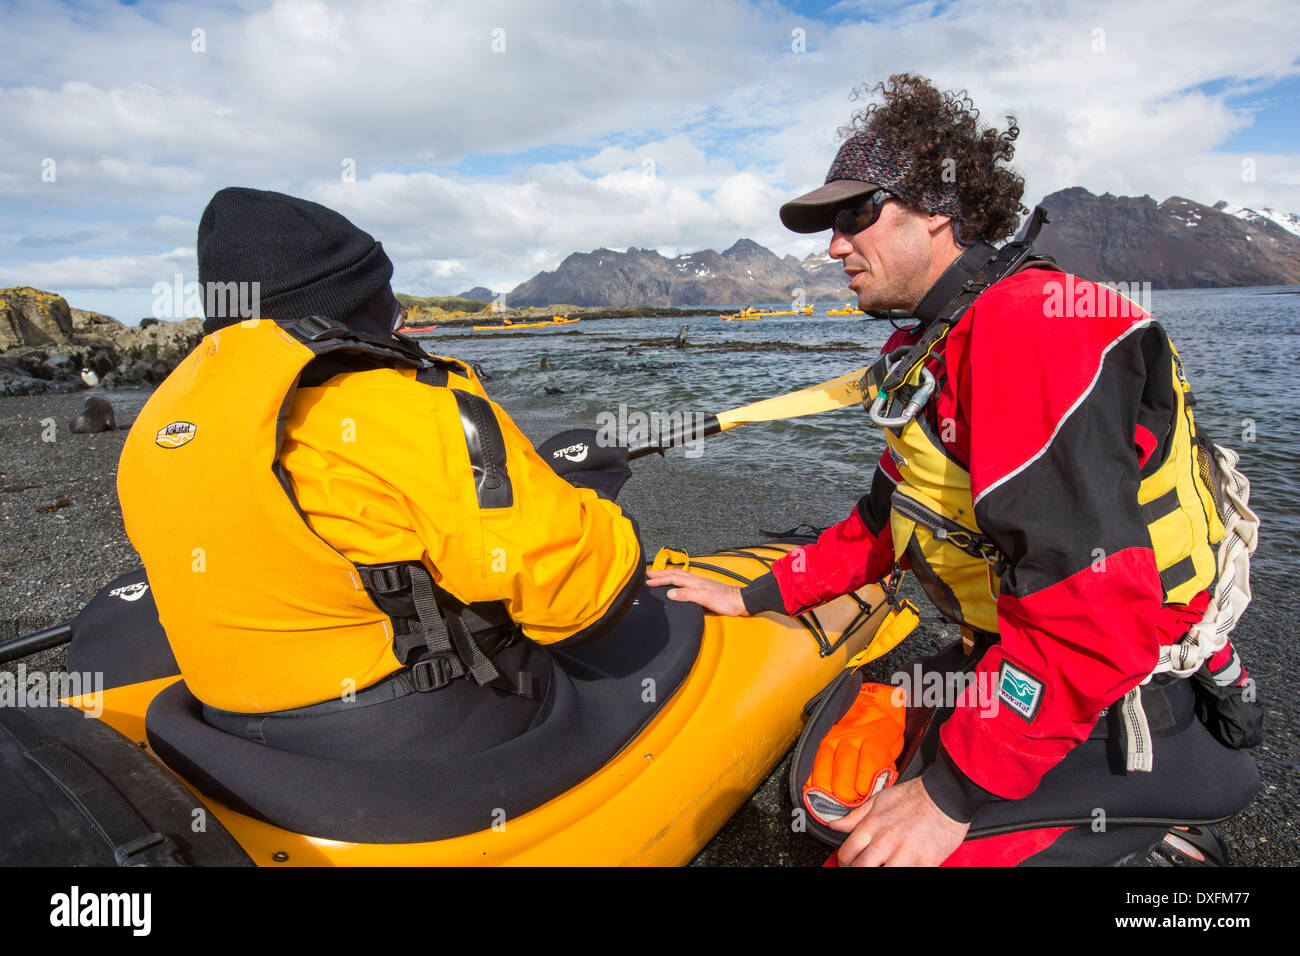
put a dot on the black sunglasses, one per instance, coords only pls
(851, 220)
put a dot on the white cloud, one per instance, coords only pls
(481, 167)
(109, 272)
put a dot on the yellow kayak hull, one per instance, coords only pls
(661, 799)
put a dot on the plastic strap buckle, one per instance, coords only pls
(316, 328)
(386, 578)
(434, 673)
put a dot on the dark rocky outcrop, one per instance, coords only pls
(1173, 245)
(32, 317)
(478, 293)
(44, 345)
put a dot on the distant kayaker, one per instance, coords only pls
(1050, 495)
(336, 524)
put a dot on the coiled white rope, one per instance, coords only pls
(1231, 595)
(1209, 635)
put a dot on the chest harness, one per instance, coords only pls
(447, 638)
(1194, 500)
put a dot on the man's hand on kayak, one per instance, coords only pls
(709, 594)
(900, 826)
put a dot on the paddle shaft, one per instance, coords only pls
(839, 392)
(36, 641)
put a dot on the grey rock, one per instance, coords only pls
(60, 363)
(93, 323)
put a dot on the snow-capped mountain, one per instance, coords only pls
(1287, 220)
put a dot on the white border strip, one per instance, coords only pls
(1069, 411)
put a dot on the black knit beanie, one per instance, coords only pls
(307, 260)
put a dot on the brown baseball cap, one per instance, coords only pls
(815, 211)
(867, 162)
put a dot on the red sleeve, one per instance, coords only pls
(853, 552)
(848, 555)
(1054, 475)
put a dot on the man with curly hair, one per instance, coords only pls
(1028, 449)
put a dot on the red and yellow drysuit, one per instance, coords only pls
(1063, 441)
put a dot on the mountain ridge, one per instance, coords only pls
(1177, 243)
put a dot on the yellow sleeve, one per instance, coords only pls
(565, 562)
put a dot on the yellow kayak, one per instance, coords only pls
(746, 314)
(525, 325)
(658, 800)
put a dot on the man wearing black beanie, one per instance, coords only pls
(301, 258)
(337, 525)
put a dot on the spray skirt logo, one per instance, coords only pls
(574, 453)
(176, 434)
(130, 592)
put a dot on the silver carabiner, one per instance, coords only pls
(916, 403)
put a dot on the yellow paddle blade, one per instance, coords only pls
(828, 396)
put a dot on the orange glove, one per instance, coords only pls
(855, 759)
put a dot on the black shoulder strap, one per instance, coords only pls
(323, 335)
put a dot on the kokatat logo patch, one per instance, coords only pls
(1019, 691)
(176, 434)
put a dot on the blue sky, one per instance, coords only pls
(489, 139)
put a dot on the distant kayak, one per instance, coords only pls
(558, 320)
(745, 315)
(422, 328)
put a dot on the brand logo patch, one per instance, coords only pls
(176, 434)
(130, 592)
(898, 459)
(576, 452)
(1019, 691)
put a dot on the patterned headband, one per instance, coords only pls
(869, 159)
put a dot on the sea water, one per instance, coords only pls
(1240, 349)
